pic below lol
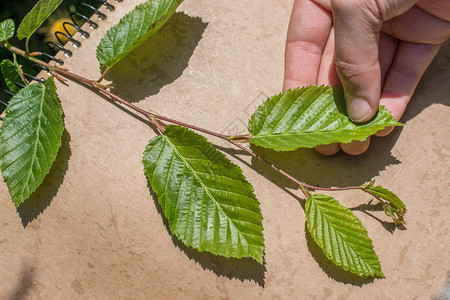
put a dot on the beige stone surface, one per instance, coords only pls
(94, 229)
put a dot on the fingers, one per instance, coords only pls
(357, 27)
(418, 26)
(356, 147)
(410, 62)
(328, 150)
(327, 75)
(308, 32)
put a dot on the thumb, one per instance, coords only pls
(357, 26)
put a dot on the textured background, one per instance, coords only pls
(94, 229)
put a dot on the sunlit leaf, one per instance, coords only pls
(206, 199)
(387, 195)
(6, 30)
(310, 116)
(30, 138)
(133, 29)
(341, 236)
(38, 14)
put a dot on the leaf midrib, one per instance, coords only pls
(38, 128)
(302, 133)
(207, 189)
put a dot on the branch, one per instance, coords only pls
(234, 140)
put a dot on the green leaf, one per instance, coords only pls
(133, 29)
(341, 236)
(310, 116)
(206, 199)
(30, 138)
(6, 30)
(11, 74)
(387, 195)
(38, 14)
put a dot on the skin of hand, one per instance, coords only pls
(376, 49)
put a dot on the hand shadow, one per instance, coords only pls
(434, 86)
(160, 60)
(242, 269)
(41, 198)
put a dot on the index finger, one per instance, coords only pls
(307, 36)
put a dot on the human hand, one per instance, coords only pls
(377, 49)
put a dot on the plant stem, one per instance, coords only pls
(305, 188)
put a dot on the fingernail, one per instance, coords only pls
(358, 110)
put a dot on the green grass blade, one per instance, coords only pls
(308, 117)
(133, 29)
(206, 199)
(38, 14)
(30, 138)
(341, 236)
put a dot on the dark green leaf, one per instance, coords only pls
(206, 199)
(6, 30)
(30, 138)
(38, 14)
(133, 29)
(341, 236)
(11, 74)
(310, 116)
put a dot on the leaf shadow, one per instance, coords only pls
(160, 60)
(241, 269)
(43, 196)
(368, 207)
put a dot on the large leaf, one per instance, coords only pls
(133, 29)
(341, 236)
(11, 74)
(6, 30)
(206, 199)
(30, 138)
(310, 116)
(38, 14)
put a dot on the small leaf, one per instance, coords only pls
(308, 117)
(38, 14)
(206, 199)
(387, 195)
(30, 138)
(133, 29)
(11, 74)
(341, 236)
(6, 30)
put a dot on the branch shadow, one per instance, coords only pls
(340, 170)
(160, 60)
(242, 269)
(43, 196)
(24, 284)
